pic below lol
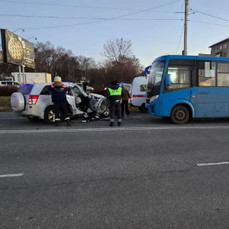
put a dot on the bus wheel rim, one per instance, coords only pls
(180, 115)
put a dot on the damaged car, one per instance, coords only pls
(34, 102)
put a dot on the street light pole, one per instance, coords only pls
(186, 28)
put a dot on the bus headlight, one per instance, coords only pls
(152, 99)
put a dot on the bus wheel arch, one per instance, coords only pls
(181, 113)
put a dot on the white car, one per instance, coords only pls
(34, 101)
(9, 83)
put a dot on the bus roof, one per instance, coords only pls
(184, 57)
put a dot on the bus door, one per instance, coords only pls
(181, 74)
(206, 94)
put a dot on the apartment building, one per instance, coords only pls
(220, 49)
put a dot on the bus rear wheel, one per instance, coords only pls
(180, 115)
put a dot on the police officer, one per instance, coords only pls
(58, 91)
(114, 94)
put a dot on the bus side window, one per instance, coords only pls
(179, 77)
(182, 73)
(223, 75)
(207, 74)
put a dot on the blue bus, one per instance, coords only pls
(185, 87)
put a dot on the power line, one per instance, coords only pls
(182, 31)
(95, 18)
(209, 23)
(64, 5)
(147, 9)
(207, 14)
(106, 19)
(77, 6)
(99, 21)
(62, 17)
(39, 16)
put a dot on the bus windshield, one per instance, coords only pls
(154, 80)
(156, 72)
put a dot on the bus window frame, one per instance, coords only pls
(216, 72)
(193, 74)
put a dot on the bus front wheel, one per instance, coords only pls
(180, 115)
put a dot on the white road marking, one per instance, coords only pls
(214, 163)
(12, 175)
(109, 129)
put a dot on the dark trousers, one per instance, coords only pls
(125, 108)
(61, 110)
(115, 108)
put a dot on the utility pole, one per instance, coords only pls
(185, 52)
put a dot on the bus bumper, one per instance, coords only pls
(151, 109)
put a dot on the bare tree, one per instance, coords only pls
(121, 63)
(57, 61)
(86, 65)
(115, 50)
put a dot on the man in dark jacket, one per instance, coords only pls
(58, 92)
(114, 94)
(125, 102)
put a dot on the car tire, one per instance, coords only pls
(106, 113)
(17, 102)
(180, 114)
(49, 115)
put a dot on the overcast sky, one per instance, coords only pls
(155, 27)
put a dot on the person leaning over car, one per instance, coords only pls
(114, 94)
(58, 92)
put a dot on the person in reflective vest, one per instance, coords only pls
(114, 94)
(59, 99)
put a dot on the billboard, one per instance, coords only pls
(17, 50)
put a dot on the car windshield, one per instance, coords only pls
(156, 72)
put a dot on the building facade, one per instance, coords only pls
(220, 49)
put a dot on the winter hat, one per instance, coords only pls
(57, 79)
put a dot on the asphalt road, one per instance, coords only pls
(147, 173)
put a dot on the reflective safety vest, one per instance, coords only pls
(114, 92)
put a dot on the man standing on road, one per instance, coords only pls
(125, 98)
(114, 94)
(58, 91)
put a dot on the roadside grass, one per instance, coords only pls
(5, 103)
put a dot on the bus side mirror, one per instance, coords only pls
(167, 80)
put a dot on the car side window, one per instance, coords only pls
(45, 90)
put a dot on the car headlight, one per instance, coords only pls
(152, 99)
